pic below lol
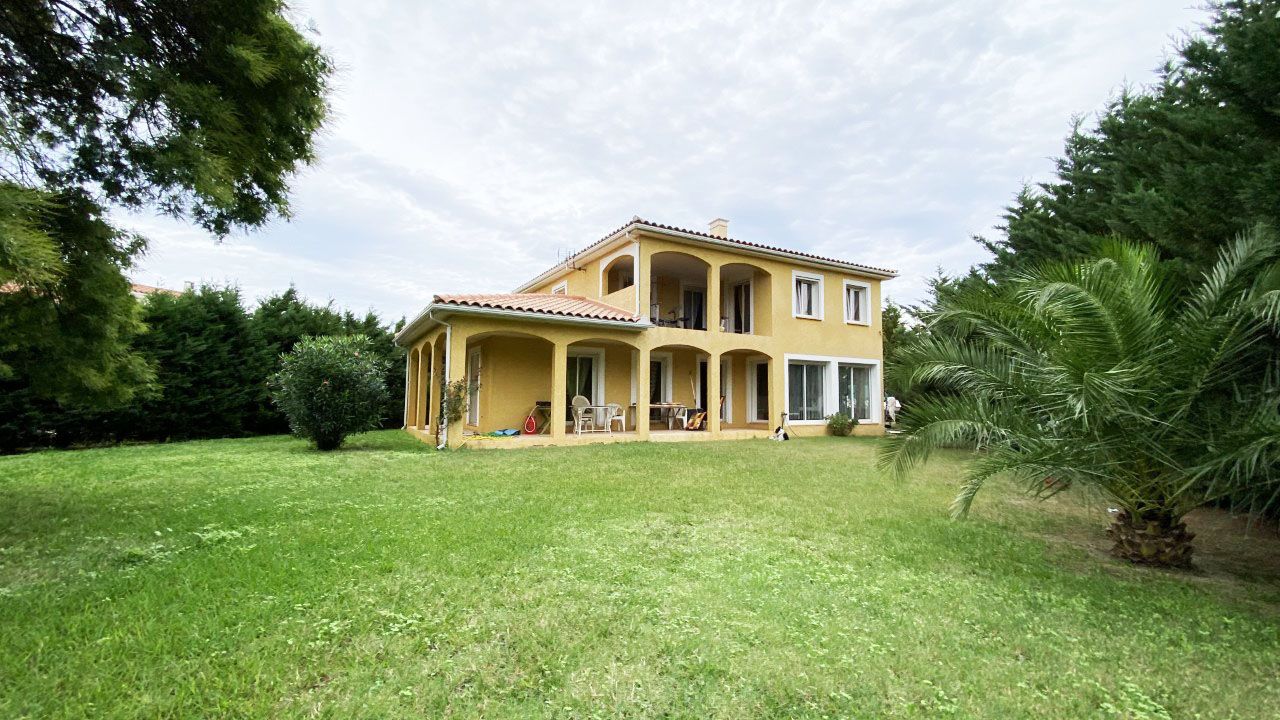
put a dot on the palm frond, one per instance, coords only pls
(1110, 374)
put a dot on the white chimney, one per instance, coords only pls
(720, 227)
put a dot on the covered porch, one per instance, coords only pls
(517, 442)
(512, 369)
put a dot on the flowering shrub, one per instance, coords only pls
(330, 387)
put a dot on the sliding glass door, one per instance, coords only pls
(805, 386)
(855, 391)
(580, 381)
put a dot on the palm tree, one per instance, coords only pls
(1110, 375)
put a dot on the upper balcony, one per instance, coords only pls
(678, 295)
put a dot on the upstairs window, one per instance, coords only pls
(807, 301)
(561, 289)
(857, 303)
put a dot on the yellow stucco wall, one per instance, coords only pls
(519, 370)
(515, 374)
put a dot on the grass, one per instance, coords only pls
(749, 579)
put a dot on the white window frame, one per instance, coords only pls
(698, 400)
(665, 358)
(753, 392)
(798, 275)
(726, 378)
(560, 288)
(706, 302)
(866, 302)
(831, 387)
(727, 306)
(597, 379)
(473, 407)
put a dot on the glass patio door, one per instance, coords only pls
(761, 381)
(695, 308)
(741, 301)
(855, 391)
(805, 390)
(580, 380)
(473, 388)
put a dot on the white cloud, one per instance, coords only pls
(472, 142)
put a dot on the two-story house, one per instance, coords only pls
(655, 323)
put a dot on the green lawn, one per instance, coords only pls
(748, 579)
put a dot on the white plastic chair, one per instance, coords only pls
(615, 415)
(581, 414)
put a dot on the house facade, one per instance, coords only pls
(658, 324)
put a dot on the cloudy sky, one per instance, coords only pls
(472, 145)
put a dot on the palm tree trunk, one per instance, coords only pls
(1154, 539)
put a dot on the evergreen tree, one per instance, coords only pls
(281, 322)
(391, 356)
(1185, 167)
(202, 109)
(67, 318)
(206, 352)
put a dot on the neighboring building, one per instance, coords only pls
(138, 290)
(141, 291)
(649, 318)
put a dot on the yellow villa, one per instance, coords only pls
(627, 339)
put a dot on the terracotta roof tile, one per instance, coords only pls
(772, 248)
(542, 304)
(151, 289)
(735, 241)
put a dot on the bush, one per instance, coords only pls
(840, 424)
(330, 387)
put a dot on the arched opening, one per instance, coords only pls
(678, 290)
(746, 302)
(677, 385)
(619, 274)
(439, 348)
(412, 373)
(601, 374)
(508, 377)
(422, 396)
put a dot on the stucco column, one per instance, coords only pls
(457, 371)
(777, 390)
(713, 300)
(559, 383)
(642, 282)
(411, 388)
(642, 394)
(713, 394)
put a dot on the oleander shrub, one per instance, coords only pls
(330, 387)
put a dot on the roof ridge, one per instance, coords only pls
(745, 243)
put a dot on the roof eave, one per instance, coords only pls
(431, 314)
(603, 245)
(595, 247)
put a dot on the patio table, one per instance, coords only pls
(598, 413)
(670, 410)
